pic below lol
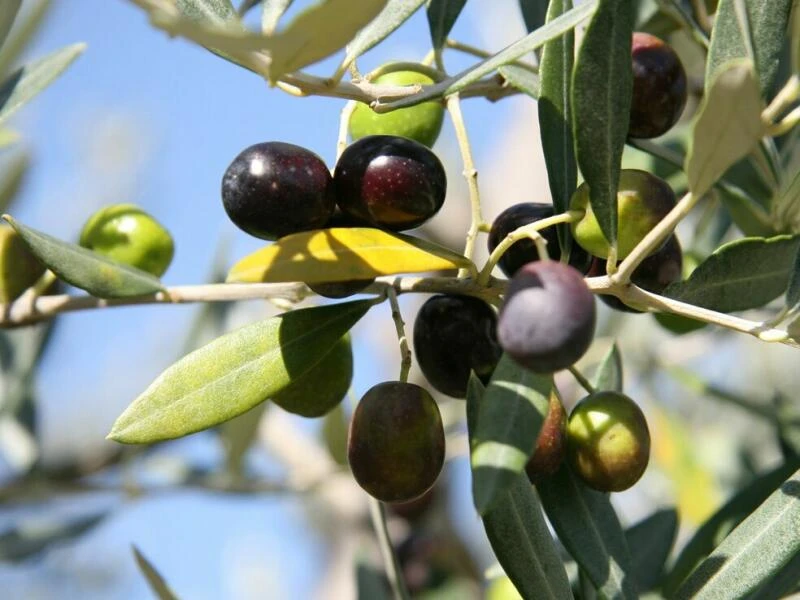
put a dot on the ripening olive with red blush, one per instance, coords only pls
(389, 182)
(659, 87)
(524, 251)
(274, 189)
(551, 445)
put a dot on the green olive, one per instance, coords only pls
(323, 387)
(127, 234)
(642, 201)
(19, 268)
(422, 123)
(608, 442)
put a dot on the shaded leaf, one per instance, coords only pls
(371, 584)
(271, 12)
(555, 118)
(7, 15)
(609, 372)
(768, 22)
(442, 15)
(740, 275)
(27, 24)
(522, 79)
(650, 542)
(786, 206)
(511, 415)
(30, 538)
(523, 545)
(715, 529)
(475, 392)
(13, 176)
(589, 528)
(92, 272)
(238, 435)
(154, 579)
(234, 373)
(754, 552)
(601, 111)
(25, 83)
(793, 290)
(334, 434)
(783, 584)
(323, 29)
(343, 254)
(534, 13)
(727, 127)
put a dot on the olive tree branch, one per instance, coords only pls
(400, 327)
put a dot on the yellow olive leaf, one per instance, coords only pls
(343, 254)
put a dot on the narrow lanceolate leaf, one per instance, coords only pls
(25, 83)
(555, 117)
(8, 13)
(650, 542)
(442, 15)
(786, 207)
(523, 545)
(740, 275)
(157, 584)
(766, 29)
(727, 127)
(602, 84)
(271, 12)
(522, 79)
(782, 585)
(343, 254)
(394, 14)
(318, 32)
(609, 372)
(716, 528)
(235, 372)
(754, 552)
(511, 415)
(87, 270)
(515, 525)
(793, 291)
(25, 27)
(588, 527)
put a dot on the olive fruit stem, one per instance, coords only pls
(377, 514)
(785, 125)
(526, 231)
(400, 327)
(787, 95)
(470, 174)
(654, 238)
(579, 377)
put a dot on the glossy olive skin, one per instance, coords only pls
(659, 87)
(524, 251)
(551, 445)
(127, 234)
(643, 200)
(395, 445)
(608, 441)
(273, 189)
(548, 318)
(421, 123)
(19, 268)
(307, 397)
(454, 335)
(653, 274)
(389, 182)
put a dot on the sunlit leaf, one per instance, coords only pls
(609, 372)
(213, 12)
(511, 415)
(589, 528)
(442, 15)
(98, 275)
(754, 552)
(727, 127)
(157, 584)
(740, 275)
(271, 12)
(25, 83)
(234, 373)
(343, 254)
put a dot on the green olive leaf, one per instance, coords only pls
(510, 417)
(752, 553)
(13, 177)
(650, 542)
(589, 528)
(608, 376)
(318, 32)
(522, 79)
(234, 373)
(793, 289)
(7, 16)
(26, 25)
(721, 523)
(442, 15)
(727, 127)
(271, 13)
(155, 581)
(740, 275)
(87, 270)
(555, 118)
(760, 38)
(602, 84)
(26, 82)
(343, 254)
